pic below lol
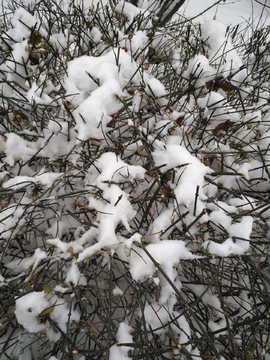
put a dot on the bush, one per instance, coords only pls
(134, 185)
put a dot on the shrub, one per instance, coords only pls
(134, 185)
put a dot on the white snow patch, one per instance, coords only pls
(123, 336)
(168, 254)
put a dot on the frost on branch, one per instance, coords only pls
(134, 184)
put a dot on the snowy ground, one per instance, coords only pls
(230, 12)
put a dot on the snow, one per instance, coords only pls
(117, 291)
(229, 11)
(31, 306)
(240, 231)
(123, 336)
(155, 315)
(189, 175)
(129, 10)
(138, 41)
(46, 179)
(97, 99)
(28, 307)
(156, 318)
(213, 302)
(27, 263)
(200, 69)
(64, 247)
(23, 149)
(11, 219)
(220, 51)
(20, 31)
(167, 254)
(156, 87)
(95, 90)
(74, 275)
(115, 206)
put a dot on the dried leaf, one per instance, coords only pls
(50, 309)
